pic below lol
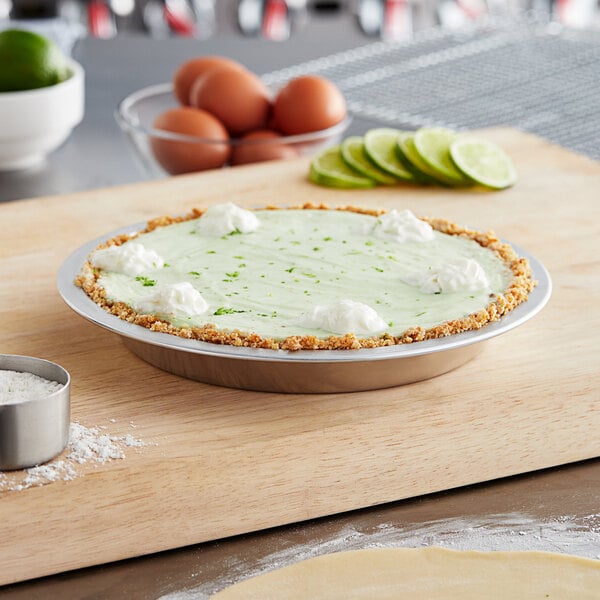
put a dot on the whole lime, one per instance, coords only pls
(29, 61)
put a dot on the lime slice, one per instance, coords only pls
(433, 146)
(410, 158)
(483, 162)
(380, 146)
(328, 168)
(353, 152)
(29, 61)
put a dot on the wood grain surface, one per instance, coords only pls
(220, 462)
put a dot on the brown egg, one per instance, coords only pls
(308, 103)
(254, 151)
(239, 99)
(189, 71)
(185, 157)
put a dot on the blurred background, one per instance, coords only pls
(463, 64)
(278, 20)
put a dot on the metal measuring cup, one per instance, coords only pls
(35, 430)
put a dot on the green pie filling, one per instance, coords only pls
(263, 282)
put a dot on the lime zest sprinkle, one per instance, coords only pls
(236, 231)
(223, 310)
(145, 281)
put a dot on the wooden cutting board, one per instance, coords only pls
(220, 462)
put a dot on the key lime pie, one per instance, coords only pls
(306, 278)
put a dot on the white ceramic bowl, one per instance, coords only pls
(33, 123)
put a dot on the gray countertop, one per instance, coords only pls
(556, 510)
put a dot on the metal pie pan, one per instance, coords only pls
(319, 371)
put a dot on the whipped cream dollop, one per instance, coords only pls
(177, 299)
(222, 219)
(402, 226)
(342, 317)
(130, 259)
(459, 275)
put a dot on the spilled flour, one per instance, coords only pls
(86, 444)
(514, 531)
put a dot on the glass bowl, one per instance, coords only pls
(135, 115)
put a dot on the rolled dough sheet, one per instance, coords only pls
(426, 574)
